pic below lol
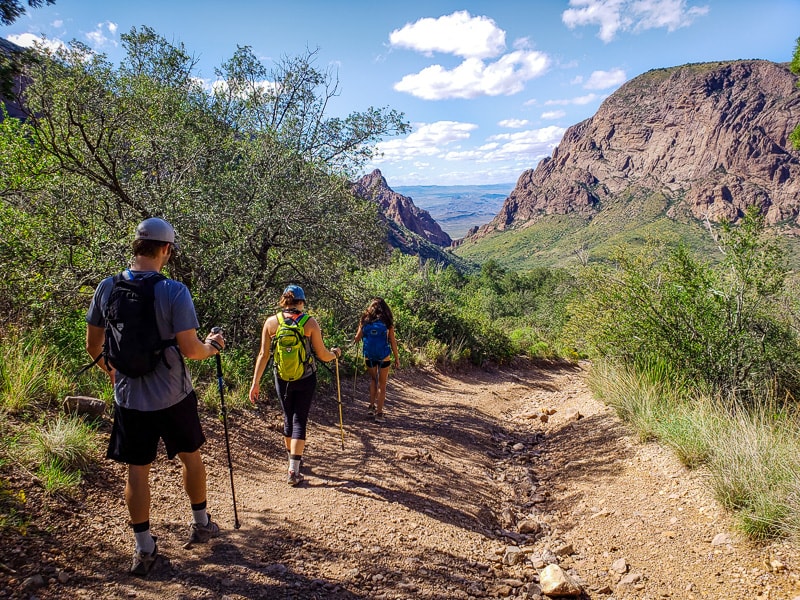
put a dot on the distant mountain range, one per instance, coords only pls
(459, 208)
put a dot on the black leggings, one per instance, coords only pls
(295, 399)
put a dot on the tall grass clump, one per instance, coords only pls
(649, 400)
(67, 441)
(749, 450)
(754, 468)
(25, 371)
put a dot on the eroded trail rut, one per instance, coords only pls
(466, 491)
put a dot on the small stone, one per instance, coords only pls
(631, 579)
(777, 566)
(33, 582)
(565, 550)
(620, 566)
(513, 556)
(501, 591)
(556, 582)
(721, 539)
(528, 527)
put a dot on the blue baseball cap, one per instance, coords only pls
(296, 291)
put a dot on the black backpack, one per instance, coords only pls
(133, 345)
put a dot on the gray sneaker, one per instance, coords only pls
(294, 478)
(144, 561)
(379, 418)
(200, 534)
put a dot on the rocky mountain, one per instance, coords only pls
(711, 137)
(9, 81)
(400, 209)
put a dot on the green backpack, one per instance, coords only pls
(290, 348)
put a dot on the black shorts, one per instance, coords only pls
(383, 364)
(135, 433)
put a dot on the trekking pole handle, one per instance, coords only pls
(214, 343)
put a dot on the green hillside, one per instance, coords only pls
(566, 240)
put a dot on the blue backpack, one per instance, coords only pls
(375, 336)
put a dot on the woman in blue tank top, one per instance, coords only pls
(376, 329)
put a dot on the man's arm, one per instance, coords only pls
(95, 336)
(191, 346)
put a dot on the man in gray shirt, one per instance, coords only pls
(160, 404)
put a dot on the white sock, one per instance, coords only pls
(145, 542)
(294, 465)
(200, 517)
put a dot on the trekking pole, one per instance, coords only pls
(339, 394)
(355, 371)
(223, 410)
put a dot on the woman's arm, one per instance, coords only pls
(313, 331)
(261, 360)
(393, 343)
(358, 335)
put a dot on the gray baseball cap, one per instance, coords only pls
(157, 230)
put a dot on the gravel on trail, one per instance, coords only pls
(480, 484)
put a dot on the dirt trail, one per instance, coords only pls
(435, 503)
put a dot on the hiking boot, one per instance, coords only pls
(294, 478)
(371, 410)
(143, 561)
(200, 534)
(379, 417)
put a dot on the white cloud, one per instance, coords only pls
(220, 86)
(614, 16)
(57, 23)
(440, 150)
(529, 145)
(473, 77)
(459, 33)
(600, 80)
(29, 40)
(579, 101)
(98, 37)
(427, 140)
(552, 115)
(513, 123)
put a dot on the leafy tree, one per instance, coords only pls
(289, 102)
(11, 10)
(254, 208)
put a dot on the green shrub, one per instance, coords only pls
(444, 317)
(721, 326)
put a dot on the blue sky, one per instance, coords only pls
(488, 86)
